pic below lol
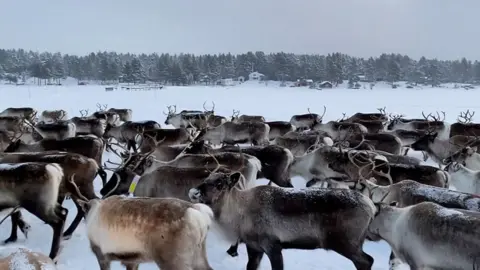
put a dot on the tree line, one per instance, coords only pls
(187, 69)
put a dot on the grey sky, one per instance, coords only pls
(446, 29)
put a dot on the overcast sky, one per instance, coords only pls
(446, 29)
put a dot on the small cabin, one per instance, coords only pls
(326, 84)
(256, 76)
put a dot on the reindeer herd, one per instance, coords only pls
(360, 185)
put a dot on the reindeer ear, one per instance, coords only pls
(394, 203)
(233, 179)
(84, 205)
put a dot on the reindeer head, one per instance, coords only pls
(423, 143)
(215, 187)
(465, 117)
(461, 156)
(172, 111)
(395, 119)
(319, 119)
(197, 147)
(209, 112)
(235, 115)
(378, 223)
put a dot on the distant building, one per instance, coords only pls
(256, 76)
(326, 84)
(227, 82)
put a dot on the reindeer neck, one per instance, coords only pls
(389, 217)
(377, 192)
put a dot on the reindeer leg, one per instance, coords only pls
(13, 234)
(80, 214)
(425, 156)
(103, 261)
(233, 250)
(23, 225)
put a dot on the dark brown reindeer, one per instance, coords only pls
(384, 142)
(300, 143)
(26, 113)
(252, 132)
(127, 132)
(53, 116)
(34, 186)
(87, 146)
(148, 140)
(464, 125)
(81, 169)
(275, 160)
(124, 114)
(279, 128)
(268, 219)
(429, 123)
(89, 125)
(388, 173)
(59, 130)
(112, 118)
(307, 121)
(380, 116)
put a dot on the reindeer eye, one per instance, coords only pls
(219, 184)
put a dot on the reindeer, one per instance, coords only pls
(467, 156)
(87, 146)
(13, 124)
(464, 125)
(148, 140)
(436, 124)
(341, 130)
(34, 186)
(212, 119)
(464, 179)
(253, 132)
(380, 116)
(307, 121)
(427, 235)
(145, 163)
(140, 227)
(329, 162)
(275, 160)
(22, 258)
(302, 143)
(75, 166)
(111, 118)
(26, 113)
(89, 125)
(407, 137)
(279, 128)
(268, 219)
(185, 119)
(128, 131)
(124, 114)
(246, 118)
(439, 149)
(59, 130)
(384, 142)
(386, 174)
(373, 126)
(53, 116)
(5, 139)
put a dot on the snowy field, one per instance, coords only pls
(274, 103)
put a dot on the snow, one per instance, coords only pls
(272, 101)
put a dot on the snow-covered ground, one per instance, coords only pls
(275, 103)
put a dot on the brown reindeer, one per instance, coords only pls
(87, 146)
(167, 231)
(81, 169)
(124, 114)
(53, 116)
(307, 121)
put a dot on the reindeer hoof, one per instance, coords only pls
(10, 240)
(67, 237)
(232, 253)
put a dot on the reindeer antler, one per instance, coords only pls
(382, 110)
(83, 113)
(466, 118)
(102, 107)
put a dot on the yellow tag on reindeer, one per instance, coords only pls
(134, 183)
